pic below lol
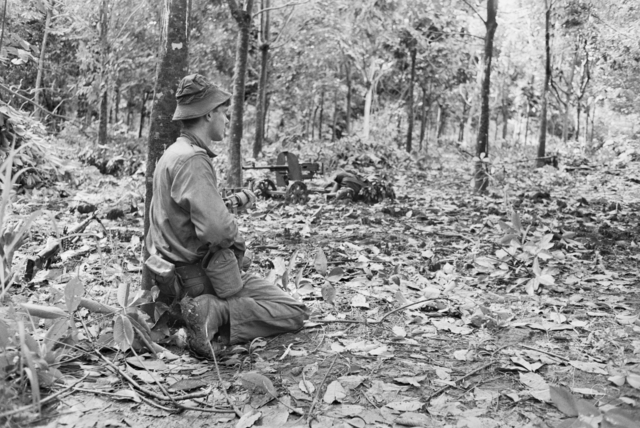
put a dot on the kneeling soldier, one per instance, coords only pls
(196, 250)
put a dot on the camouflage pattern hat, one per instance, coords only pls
(197, 97)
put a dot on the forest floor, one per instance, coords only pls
(526, 309)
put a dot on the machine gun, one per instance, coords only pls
(290, 175)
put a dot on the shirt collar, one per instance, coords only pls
(196, 141)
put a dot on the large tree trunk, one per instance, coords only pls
(542, 139)
(410, 115)
(243, 19)
(104, 82)
(482, 143)
(173, 65)
(38, 88)
(261, 107)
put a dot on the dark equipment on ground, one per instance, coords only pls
(290, 175)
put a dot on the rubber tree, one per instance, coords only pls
(482, 142)
(104, 77)
(172, 67)
(47, 26)
(261, 107)
(243, 17)
(542, 138)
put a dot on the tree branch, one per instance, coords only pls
(278, 7)
(38, 105)
(284, 26)
(476, 12)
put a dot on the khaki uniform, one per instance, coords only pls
(189, 222)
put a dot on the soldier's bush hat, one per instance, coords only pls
(197, 97)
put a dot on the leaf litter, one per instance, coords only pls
(442, 308)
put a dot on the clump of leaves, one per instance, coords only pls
(120, 159)
(520, 255)
(33, 164)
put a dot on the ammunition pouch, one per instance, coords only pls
(217, 274)
(194, 280)
(163, 272)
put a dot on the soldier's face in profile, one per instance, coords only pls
(218, 123)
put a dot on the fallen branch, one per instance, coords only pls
(44, 400)
(531, 348)
(52, 248)
(378, 321)
(224, 390)
(315, 398)
(151, 393)
(444, 388)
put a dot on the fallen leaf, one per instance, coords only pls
(588, 367)
(320, 262)
(399, 331)
(334, 392)
(127, 394)
(413, 419)
(406, 406)
(634, 380)
(306, 387)
(328, 292)
(411, 380)
(359, 301)
(248, 419)
(254, 381)
(335, 275)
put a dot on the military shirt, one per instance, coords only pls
(187, 214)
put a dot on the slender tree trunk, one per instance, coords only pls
(463, 120)
(43, 48)
(173, 65)
(4, 16)
(104, 78)
(243, 19)
(578, 111)
(143, 112)
(423, 118)
(348, 109)
(313, 121)
(410, 115)
(442, 122)
(542, 139)
(261, 107)
(335, 115)
(321, 114)
(593, 118)
(368, 100)
(567, 103)
(526, 126)
(505, 112)
(117, 103)
(482, 144)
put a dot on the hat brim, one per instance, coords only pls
(201, 107)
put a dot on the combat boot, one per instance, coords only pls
(203, 316)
